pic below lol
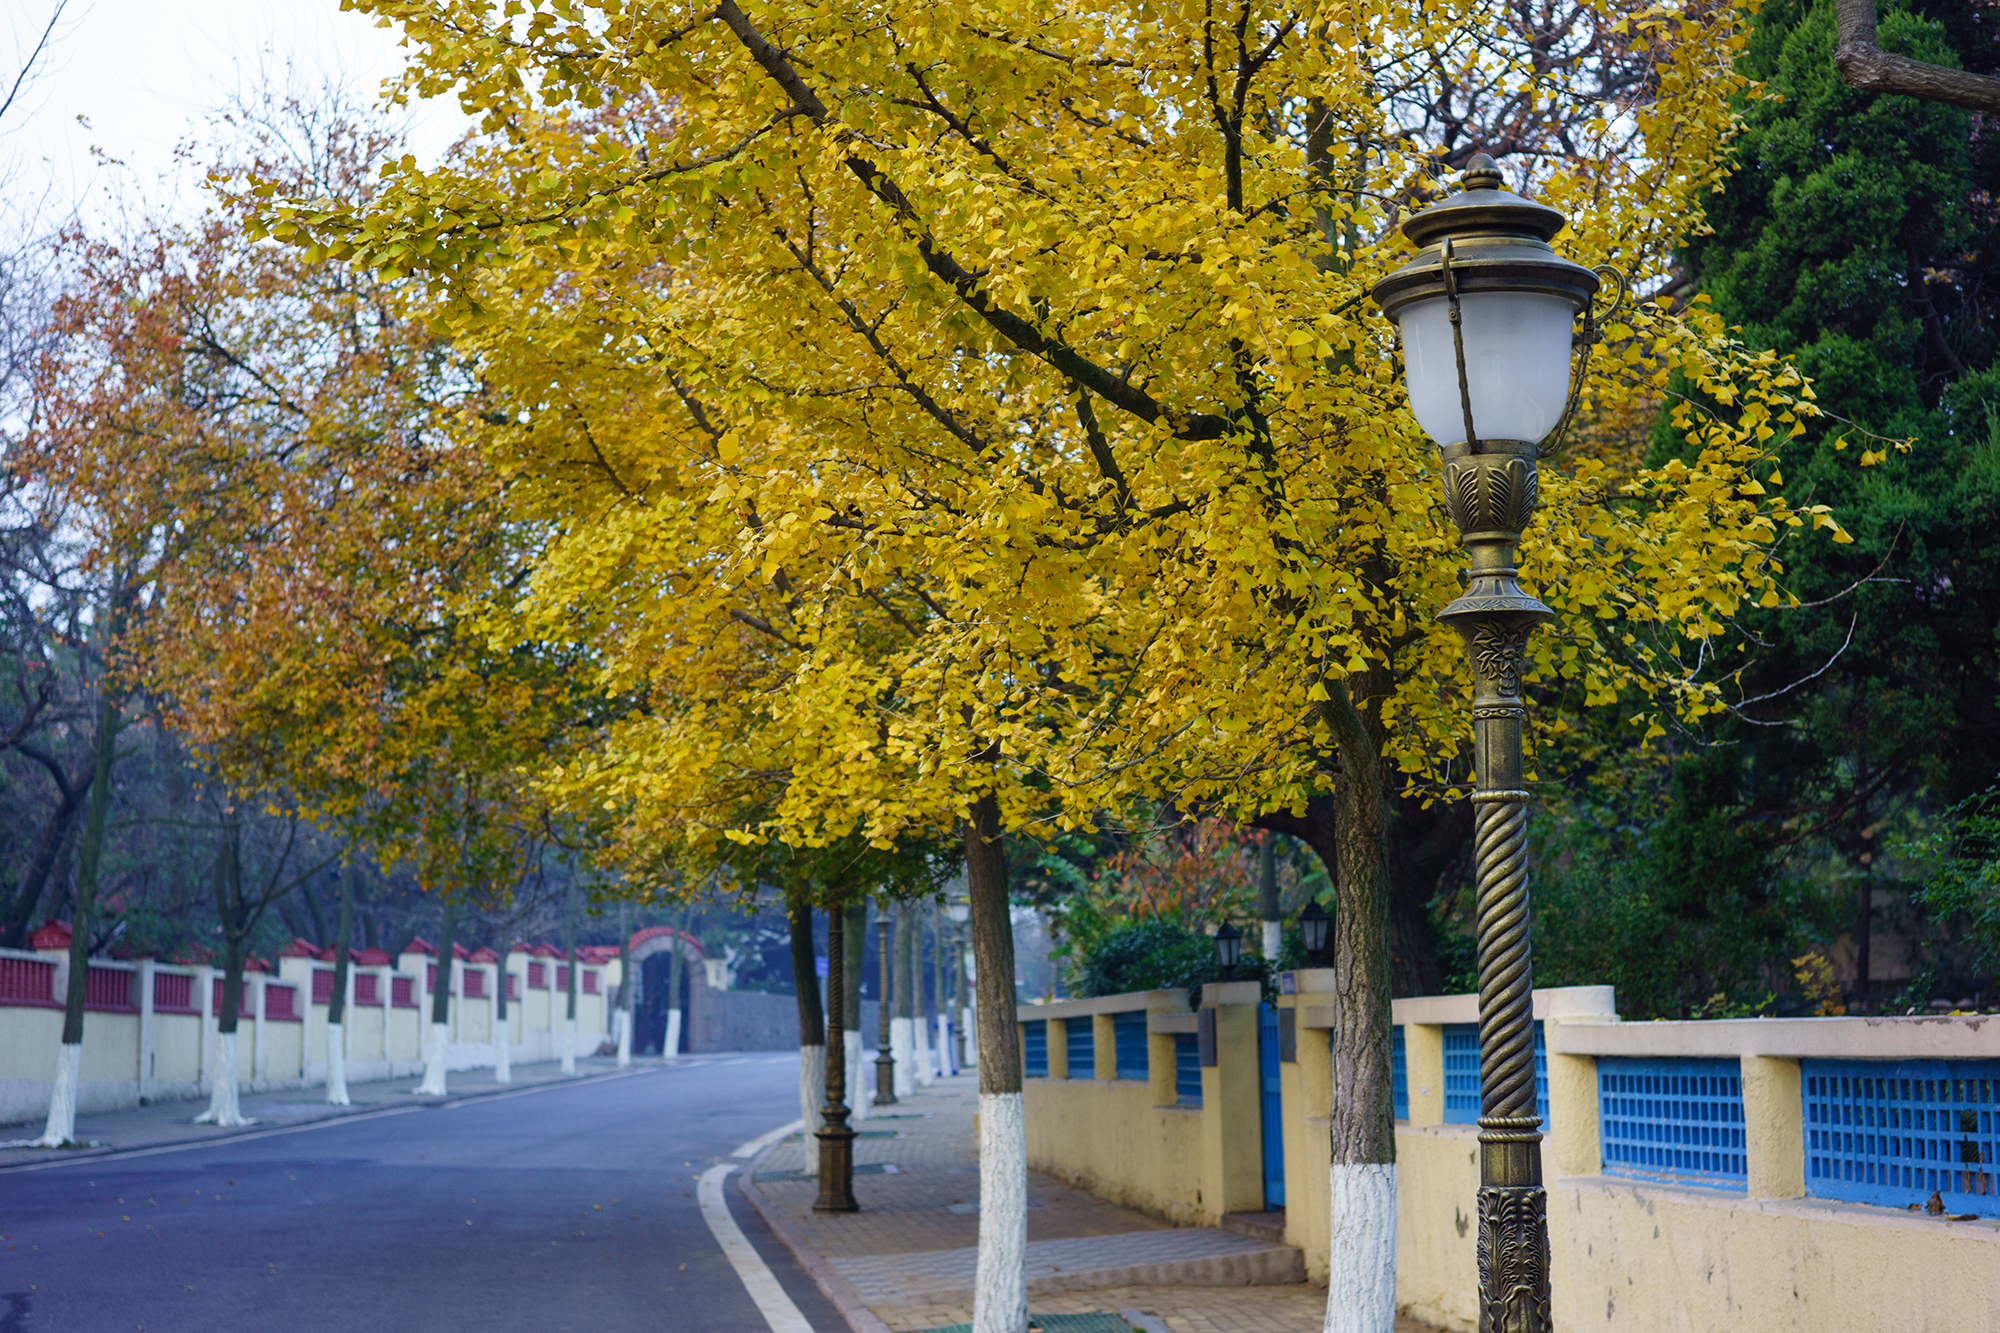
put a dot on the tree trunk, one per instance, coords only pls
(336, 1012)
(225, 1105)
(921, 1001)
(569, 1012)
(1348, 831)
(434, 1084)
(676, 959)
(503, 1033)
(901, 1045)
(48, 852)
(624, 986)
(61, 1126)
(812, 1029)
(1000, 1285)
(1422, 845)
(942, 993)
(1267, 896)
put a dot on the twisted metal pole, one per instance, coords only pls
(1490, 487)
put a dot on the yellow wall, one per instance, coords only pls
(176, 1048)
(287, 1048)
(110, 1046)
(1109, 1138)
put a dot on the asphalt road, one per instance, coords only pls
(571, 1207)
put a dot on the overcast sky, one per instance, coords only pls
(143, 73)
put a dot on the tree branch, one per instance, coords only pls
(1868, 67)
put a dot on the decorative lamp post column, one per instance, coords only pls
(960, 912)
(1313, 923)
(836, 1136)
(885, 1063)
(1486, 312)
(1228, 948)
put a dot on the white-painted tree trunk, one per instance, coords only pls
(812, 1096)
(624, 1038)
(971, 1030)
(857, 1103)
(1361, 1265)
(62, 1097)
(503, 1048)
(672, 1045)
(902, 1051)
(434, 1079)
(225, 1105)
(1000, 1284)
(336, 1065)
(1274, 939)
(920, 1037)
(569, 1046)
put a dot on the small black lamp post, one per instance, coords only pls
(1228, 947)
(885, 1063)
(1313, 921)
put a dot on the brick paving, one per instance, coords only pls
(914, 1239)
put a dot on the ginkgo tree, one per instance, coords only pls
(1021, 353)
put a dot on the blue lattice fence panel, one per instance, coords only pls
(1399, 1073)
(1673, 1120)
(1035, 1049)
(1187, 1069)
(1080, 1040)
(1894, 1134)
(1128, 1040)
(1461, 1075)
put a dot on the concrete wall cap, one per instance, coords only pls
(1216, 994)
(1147, 1001)
(1940, 1037)
(1562, 1002)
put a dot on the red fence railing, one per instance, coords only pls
(538, 975)
(173, 993)
(474, 984)
(109, 988)
(589, 981)
(25, 981)
(367, 989)
(281, 1003)
(322, 985)
(400, 994)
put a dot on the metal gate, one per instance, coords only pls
(1272, 1106)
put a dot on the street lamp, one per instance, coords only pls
(960, 913)
(885, 1063)
(1486, 312)
(836, 1136)
(1313, 923)
(1228, 947)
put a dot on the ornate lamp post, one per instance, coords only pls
(836, 1136)
(1228, 948)
(885, 1063)
(1313, 923)
(1486, 313)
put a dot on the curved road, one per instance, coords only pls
(557, 1208)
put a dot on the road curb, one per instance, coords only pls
(837, 1289)
(64, 1157)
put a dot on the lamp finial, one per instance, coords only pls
(1481, 173)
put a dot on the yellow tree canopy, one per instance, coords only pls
(930, 400)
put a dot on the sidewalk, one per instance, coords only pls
(171, 1122)
(905, 1261)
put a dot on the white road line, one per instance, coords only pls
(758, 1280)
(762, 1141)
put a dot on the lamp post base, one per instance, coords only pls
(1513, 1259)
(885, 1080)
(836, 1168)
